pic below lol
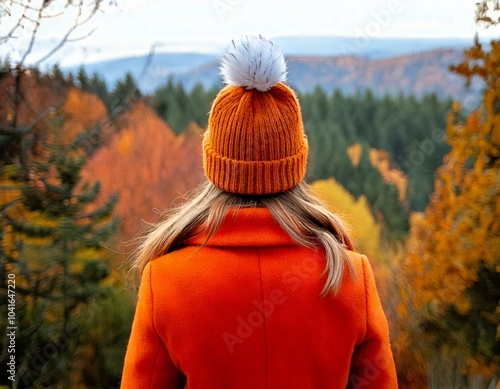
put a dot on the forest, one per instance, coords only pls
(85, 166)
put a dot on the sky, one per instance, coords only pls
(132, 27)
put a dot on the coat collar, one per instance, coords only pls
(246, 227)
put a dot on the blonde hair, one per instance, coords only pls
(300, 214)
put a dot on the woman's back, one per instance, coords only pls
(244, 311)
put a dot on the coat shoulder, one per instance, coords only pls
(358, 262)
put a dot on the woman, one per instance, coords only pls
(252, 283)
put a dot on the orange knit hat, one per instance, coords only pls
(255, 142)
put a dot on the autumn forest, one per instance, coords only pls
(85, 166)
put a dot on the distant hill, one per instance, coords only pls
(389, 65)
(365, 46)
(416, 74)
(149, 72)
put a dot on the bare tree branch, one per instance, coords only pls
(16, 26)
(78, 23)
(32, 18)
(54, 15)
(20, 131)
(82, 37)
(33, 37)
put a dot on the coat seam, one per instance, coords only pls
(366, 296)
(264, 316)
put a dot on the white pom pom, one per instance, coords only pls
(253, 62)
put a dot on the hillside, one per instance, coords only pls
(386, 65)
(416, 74)
(149, 72)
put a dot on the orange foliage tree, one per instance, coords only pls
(147, 165)
(453, 260)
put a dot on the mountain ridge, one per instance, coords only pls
(386, 66)
(417, 74)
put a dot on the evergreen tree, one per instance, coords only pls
(98, 86)
(56, 73)
(83, 79)
(6, 66)
(126, 91)
(51, 234)
(179, 107)
(58, 263)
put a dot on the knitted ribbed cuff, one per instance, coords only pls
(254, 177)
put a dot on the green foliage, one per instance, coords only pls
(83, 79)
(474, 330)
(57, 75)
(409, 129)
(112, 309)
(179, 107)
(51, 235)
(125, 92)
(97, 85)
(6, 65)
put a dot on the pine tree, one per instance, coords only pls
(98, 86)
(82, 78)
(51, 239)
(125, 92)
(56, 73)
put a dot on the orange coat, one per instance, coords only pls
(244, 311)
